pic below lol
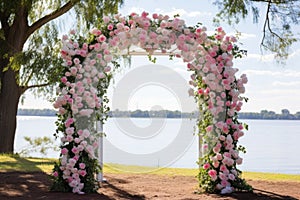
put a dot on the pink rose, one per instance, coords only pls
(77, 140)
(72, 161)
(205, 146)
(69, 138)
(76, 157)
(86, 133)
(223, 168)
(110, 27)
(70, 130)
(222, 138)
(206, 166)
(213, 174)
(72, 32)
(73, 183)
(64, 151)
(64, 79)
(216, 150)
(155, 16)
(216, 164)
(81, 165)
(80, 147)
(239, 161)
(76, 61)
(144, 14)
(69, 122)
(101, 38)
(95, 31)
(55, 174)
(106, 19)
(107, 69)
(75, 175)
(223, 176)
(225, 183)
(209, 128)
(82, 172)
(80, 132)
(231, 177)
(74, 150)
(219, 156)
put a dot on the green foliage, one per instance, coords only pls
(39, 63)
(152, 59)
(241, 149)
(89, 15)
(205, 182)
(103, 85)
(241, 185)
(232, 11)
(214, 150)
(38, 144)
(278, 34)
(91, 184)
(59, 182)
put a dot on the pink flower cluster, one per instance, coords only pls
(78, 100)
(210, 58)
(221, 93)
(138, 30)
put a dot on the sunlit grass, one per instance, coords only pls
(16, 163)
(271, 176)
(132, 169)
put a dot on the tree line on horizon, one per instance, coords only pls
(263, 114)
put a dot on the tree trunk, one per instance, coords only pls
(9, 98)
(10, 91)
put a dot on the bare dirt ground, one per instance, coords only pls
(16, 185)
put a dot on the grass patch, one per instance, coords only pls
(132, 169)
(17, 163)
(271, 176)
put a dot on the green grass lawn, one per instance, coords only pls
(16, 163)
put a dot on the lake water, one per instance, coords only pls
(272, 145)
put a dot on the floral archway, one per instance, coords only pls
(89, 63)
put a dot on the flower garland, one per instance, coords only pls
(87, 75)
(85, 80)
(218, 94)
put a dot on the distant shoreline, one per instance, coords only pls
(263, 115)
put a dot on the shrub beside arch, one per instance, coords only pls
(88, 64)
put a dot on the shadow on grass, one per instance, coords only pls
(28, 181)
(23, 179)
(35, 185)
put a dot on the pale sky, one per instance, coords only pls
(271, 86)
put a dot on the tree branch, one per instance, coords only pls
(24, 88)
(265, 24)
(55, 14)
(28, 78)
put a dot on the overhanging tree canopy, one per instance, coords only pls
(35, 64)
(279, 19)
